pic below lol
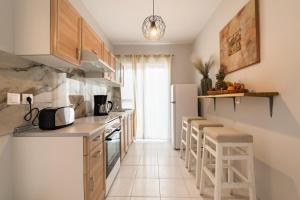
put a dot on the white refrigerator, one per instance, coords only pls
(183, 103)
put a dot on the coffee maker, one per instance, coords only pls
(101, 105)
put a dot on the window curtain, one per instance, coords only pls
(147, 90)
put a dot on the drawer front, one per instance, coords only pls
(96, 140)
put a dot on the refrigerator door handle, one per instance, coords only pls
(173, 101)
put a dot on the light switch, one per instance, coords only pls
(13, 99)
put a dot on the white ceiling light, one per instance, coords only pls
(153, 27)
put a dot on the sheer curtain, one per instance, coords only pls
(150, 93)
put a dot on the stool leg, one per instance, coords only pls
(198, 161)
(187, 148)
(203, 164)
(251, 175)
(181, 144)
(189, 166)
(230, 173)
(218, 172)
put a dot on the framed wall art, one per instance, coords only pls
(239, 39)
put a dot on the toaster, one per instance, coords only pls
(55, 118)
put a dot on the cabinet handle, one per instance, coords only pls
(98, 153)
(78, 54)
(97, 138)
(95, 52)
(92, 184)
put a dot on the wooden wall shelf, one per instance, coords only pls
(269, 95)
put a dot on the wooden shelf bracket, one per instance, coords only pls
(271, 102)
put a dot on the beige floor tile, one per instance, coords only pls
(131, 160)
(146, 188)
(147, 172)
(173, 188)
(121, 187)
(187, 174)
(170, 161)
(154, 171)
(148, 160)
(182, 198)
(127, 171)
(166, 172)
(191, 186)
(145, 198)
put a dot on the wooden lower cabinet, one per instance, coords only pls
(124, 143)
(59, 168)
(130, 128)
(127, 132)
(94, 173)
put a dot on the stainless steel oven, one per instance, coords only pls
(112, 150)
(112, 147)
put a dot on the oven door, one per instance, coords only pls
(112, 150)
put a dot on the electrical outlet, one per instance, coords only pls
(13, 98)
(24, 98)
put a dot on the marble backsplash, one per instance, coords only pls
(50, 87)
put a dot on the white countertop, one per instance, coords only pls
(85, 126)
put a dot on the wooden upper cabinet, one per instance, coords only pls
(106, 57)
(90, 40)
(65, 31)
(113, 61)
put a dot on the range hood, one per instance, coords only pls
(91, 63)
(101, 78)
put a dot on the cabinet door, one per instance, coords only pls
(112, 61)
(106, 55)
(65, 31)
(90, 40)
(130, 130)
(123, 152)
(96, 174)
(126, 133)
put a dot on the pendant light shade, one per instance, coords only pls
(153, 27)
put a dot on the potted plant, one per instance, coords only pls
(204, 68)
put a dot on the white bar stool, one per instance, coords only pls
(195, 147)
(227, 145)
(185, 136)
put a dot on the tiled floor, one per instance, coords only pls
(153, 171)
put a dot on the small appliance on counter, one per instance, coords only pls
(101, 105)
(55, 118)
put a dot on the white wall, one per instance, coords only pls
(6, 44)
(277, 139)
(6, 31)
(5, 167)
(182, 70)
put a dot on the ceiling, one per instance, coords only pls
(121, 20)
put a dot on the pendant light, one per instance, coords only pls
(153, 27)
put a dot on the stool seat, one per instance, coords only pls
(223, 135)
(191, 118)
(200, 124)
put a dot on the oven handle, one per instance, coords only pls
(109, 137)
